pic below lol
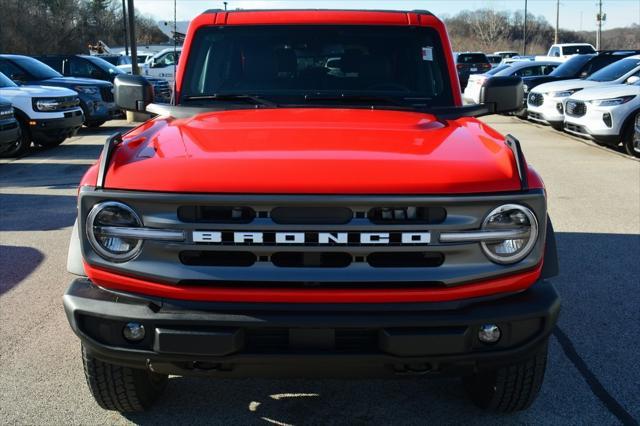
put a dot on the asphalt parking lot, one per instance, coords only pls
(593, 375)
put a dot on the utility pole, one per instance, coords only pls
(557, 21)
(524, 32)
(135, 69)
(124, 25)
(600, 17)
(225, 5)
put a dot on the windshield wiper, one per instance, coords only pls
(345, 98)
(230, 97)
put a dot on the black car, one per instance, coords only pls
(97, 67)
(578, 66)
(96, 96)
(468, 63)
(9, 128)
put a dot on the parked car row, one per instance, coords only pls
(52, 96)
(593, 95)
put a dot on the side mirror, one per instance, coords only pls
(503, 94)
(132, 92)
(633, 79)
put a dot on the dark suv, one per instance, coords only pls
(96, 96)
(98, 68)
(468, 63)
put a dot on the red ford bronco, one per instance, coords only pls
(316, 201)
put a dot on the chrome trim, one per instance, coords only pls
(89, 229)
(482, 236)
(140, 233)
(533, 235)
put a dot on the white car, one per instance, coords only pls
(545, 103)
(605, 114)
(47, 115)
(562, 52)
(162, 64)
(519, 69)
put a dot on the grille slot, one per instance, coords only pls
(405, 260)
(311, 215)
(106, 94)
(217, 258)
(408, 215)
(311, 260)
(536, 99)
(576, 108)
(216, 214)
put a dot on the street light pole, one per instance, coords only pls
(135, 69)
(600, 18)
(124, 26)
(524, 32)
(557, 21)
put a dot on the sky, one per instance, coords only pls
(574, 14)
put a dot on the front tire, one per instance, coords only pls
(94, 124)
(511, 388)
(119, 388)
(20, 146)
(631, 141)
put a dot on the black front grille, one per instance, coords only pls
(576, 108)
(536, 99)
(408, 215)
(106, 92)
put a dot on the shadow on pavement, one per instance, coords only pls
(72, 151)
(16, 264)
(51, 175)
(26, 212)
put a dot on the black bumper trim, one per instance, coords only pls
(178, 339)
(9, 131)
(75, 120)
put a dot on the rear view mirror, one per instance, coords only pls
(633, 79)
(502, 94)
(132, 92)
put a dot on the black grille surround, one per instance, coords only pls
(391, 264)
(535, 99)
(575, 108)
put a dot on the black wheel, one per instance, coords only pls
(119, 388)
(511, 388)
(631, 138)
(94, 124)
(559, 126)
(20, 146)
(50, 143)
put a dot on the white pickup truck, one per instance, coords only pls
(562, 52)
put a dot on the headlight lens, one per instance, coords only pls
(611, 101)
(507, 217)
(562, 93)
(87, 90)
(6, 113)
(526, 88)
(47, 104)
(110, 247)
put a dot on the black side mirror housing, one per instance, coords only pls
(132, 92)
(502, 94)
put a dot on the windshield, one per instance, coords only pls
(300, 62)
(35, 68)
(472, 58)
(497, 69)
(6, 81)
(104, 65)
(577, 50)
(615, 70)
(571, 67)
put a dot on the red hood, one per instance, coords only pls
(319, 150)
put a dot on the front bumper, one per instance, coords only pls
(551, 111)
(54, 128)
(99, 110)
(231, 339)
(9, 132)
(592, 125)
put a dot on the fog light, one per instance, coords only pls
(489, 333)
(606, 117)
(560, 108)
(133, 332)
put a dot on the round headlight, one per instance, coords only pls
(510, 217)
(102, 220)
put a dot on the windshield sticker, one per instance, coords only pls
(427, 53)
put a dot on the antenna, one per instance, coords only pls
(175, 48)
